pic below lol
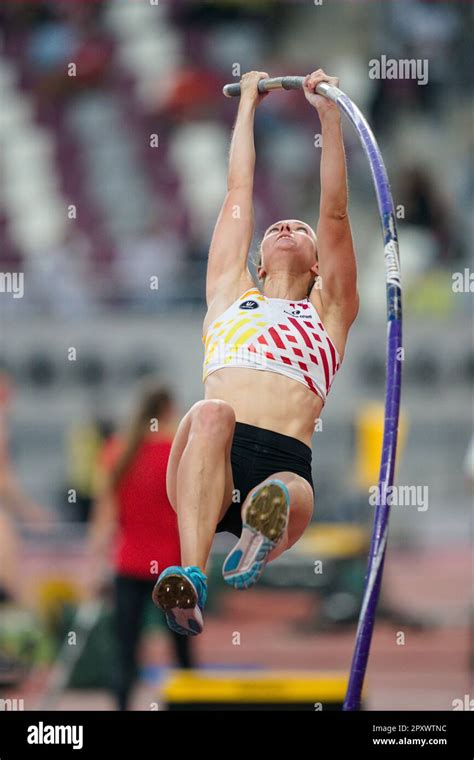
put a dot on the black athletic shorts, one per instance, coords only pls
(257, 454)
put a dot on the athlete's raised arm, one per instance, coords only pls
(227, 266)
(336, 255)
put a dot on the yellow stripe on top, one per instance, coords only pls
(224, 333)
(245, 335)
(235, 328)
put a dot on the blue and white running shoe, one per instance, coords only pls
(181, 593)
(264, 524)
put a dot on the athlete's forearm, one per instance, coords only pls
(333, 168)
(242, 148)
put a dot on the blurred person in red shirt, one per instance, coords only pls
(132, 515)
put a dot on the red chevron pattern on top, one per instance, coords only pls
(286, 337)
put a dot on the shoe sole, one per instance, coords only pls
(266, 520)
(177, 597)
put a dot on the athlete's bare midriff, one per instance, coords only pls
(267, 400)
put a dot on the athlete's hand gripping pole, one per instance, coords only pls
(283, 83)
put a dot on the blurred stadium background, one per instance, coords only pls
(111, 173)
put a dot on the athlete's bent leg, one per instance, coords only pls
(199, 477)
(274, 516)
(199, 485)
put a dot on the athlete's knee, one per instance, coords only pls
(213, 417)
(305, 498)
(297, 485)
(301, 513)
(306, 492)
(301, 496)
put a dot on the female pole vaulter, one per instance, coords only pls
(241, 458)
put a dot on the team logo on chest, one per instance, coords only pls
(248, 305)
(298, 312)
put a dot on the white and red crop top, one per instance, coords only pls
(276, 335)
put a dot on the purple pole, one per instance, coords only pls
(378, 543)
(373, 578)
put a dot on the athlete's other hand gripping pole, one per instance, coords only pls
(393, 363)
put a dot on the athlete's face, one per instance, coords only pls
(289, 245)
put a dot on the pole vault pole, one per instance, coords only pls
(373, 578)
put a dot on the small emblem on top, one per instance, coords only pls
(248, 305)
